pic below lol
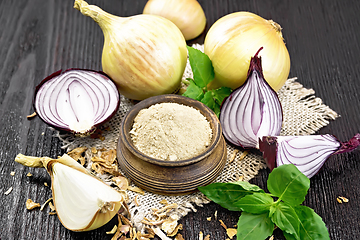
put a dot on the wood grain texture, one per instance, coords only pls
(39, 37)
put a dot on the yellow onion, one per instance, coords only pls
(82, 201)
(235, 38)
(188, 15)
(144, 54)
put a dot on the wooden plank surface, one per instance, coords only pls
(39, 37)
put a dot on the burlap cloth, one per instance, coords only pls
(304, 114)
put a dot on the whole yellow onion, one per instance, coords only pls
(188, 15)
(145, 55)
(235, 38)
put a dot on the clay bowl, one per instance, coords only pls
(171, 177)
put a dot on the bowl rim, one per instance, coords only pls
(173, 98)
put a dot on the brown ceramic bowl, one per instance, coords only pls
(171, 177)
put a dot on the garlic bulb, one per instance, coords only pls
(188, 15)
(145, 54)
(82, 201)
(235, 38)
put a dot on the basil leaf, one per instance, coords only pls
(213, 98)
(254, 226)
(227, 194)
(193, 91)
(288, 236)
(272, 209)
(288, 184)
(256, 203)
(203, 72)
(201, 67)
(286, 219)
(312, 226)
(217, 110)
(221, 93)
(208, 100)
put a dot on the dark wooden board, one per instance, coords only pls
(39, 37)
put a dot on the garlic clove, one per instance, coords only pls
(82, 202)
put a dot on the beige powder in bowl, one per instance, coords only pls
(171, 132)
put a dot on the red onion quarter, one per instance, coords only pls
(307, 153)
(251, 111)
(76, 100)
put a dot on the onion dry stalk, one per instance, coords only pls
(76, 100)
(307, 153)
(251, 111)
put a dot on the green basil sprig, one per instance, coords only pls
(261, 212)
(203, 73)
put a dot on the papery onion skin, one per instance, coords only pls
(55, 91)
(252, 110)
(307, 153)
(144, 54)
(187, 15)
(231, 42)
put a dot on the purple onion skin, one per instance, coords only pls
(350, 145)
(64, 128)
(268, 146)
(251, 111)
(308, 153)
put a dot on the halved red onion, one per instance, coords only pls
(251, 111)
(307, 153)
(76, 100)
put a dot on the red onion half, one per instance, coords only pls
(251, 111)
(76, 100)
(307, 153)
